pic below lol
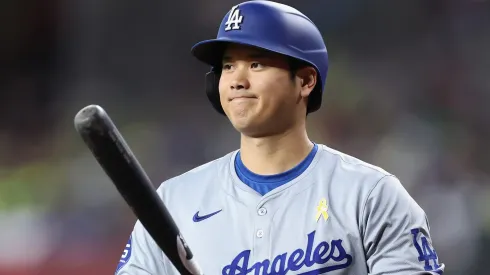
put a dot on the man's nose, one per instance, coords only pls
(240, 80)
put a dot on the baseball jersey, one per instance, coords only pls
(339, 216)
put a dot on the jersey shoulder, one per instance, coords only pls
(356, 180)
(352, 162)
(350, 168)
(199, 176)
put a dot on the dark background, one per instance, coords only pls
(407, 90)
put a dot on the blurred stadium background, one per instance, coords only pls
(408, 90)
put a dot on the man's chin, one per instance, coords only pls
(243, 125)
(253, 130)
(246, 127)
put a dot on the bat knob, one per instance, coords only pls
(89, 117)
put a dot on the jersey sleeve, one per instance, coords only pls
(395, 233)
(141, 256)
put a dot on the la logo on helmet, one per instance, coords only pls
(234, 19)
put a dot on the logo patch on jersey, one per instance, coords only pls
(125, 256)
(322, 210)
(427, 253)
(198, 218)
(234, 20)
(322, 258)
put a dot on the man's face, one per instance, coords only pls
(257, 92)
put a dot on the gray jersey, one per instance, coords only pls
(341, 216)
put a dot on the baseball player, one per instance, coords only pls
(282, 204)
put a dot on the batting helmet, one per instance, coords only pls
(270, 26)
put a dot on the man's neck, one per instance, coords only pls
(275, 154)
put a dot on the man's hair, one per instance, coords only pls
(295, 65)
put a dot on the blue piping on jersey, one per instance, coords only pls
(266, 183)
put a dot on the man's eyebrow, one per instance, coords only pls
(228, 58)
(258, 55)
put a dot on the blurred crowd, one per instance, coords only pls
(407, 90)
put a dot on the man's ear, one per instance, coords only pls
(308, 79)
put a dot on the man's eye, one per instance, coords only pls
(256, 65)
(226, 67)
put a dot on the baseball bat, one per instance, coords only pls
(113, 154)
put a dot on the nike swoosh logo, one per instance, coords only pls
(198, 218)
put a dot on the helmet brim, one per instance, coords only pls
(211, 51)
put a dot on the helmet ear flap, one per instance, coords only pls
(212, 89)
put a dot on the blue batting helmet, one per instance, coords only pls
(270, 26)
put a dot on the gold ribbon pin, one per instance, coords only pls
(321, 210)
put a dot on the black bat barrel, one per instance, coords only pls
(118, 161)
